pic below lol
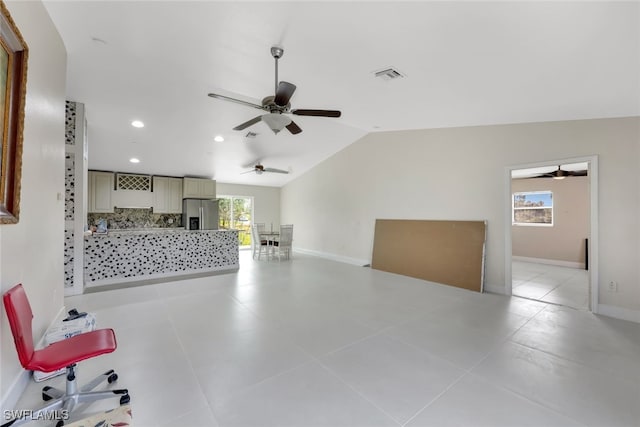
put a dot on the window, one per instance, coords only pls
(533, 208)
(235, 212)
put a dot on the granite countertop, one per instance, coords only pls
(116, 231)
(151, 230)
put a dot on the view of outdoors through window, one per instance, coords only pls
(535, 207)
(235, 212)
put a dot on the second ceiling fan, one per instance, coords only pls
(278, 105)
(259, 170)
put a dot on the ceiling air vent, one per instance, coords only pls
(388, 74)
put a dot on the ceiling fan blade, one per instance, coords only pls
(252, 170)
(275, 170)
(317, 113)
(248, 123)
(237, 101)
(283, 93)
(293, 128)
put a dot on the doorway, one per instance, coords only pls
(551, 232)
(236, 212)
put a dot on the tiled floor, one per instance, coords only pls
(313, 342)
(550, 283)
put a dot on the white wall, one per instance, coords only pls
(458, 173)
(266, 200)
(31, 251)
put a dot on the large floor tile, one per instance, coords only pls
(475, 402)
(306, 396)
(570, 388)
(125, 316)
(161, 391)
(230, 364)
(405, 379)
(321, 333)
(312, 342)
(608, 345)
(199, 417)
(532, 290)
(551, 283)
(463, 337)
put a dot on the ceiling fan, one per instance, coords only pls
(277, 105)
(561, 174)
(259, 170)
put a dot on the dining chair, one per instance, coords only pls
(258, 243)
(62, 354)
(284, 243)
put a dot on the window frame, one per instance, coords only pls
(531, 224)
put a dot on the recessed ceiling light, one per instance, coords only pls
(134, 160)
(218, 138)
(137, 124)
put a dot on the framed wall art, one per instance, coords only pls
(13, 91)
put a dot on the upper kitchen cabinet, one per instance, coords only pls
(167, 195)
(199, 188)
(100, 188)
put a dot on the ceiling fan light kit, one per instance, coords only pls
(557, 175)
(277, 105)
(276, 122)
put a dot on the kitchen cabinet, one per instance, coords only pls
(167, 195)
(100, 188)
(199, 188)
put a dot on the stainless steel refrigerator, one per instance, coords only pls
(198, 214)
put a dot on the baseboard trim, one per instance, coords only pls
(21, 382)
(619, 312)
(15, 391)
(333, 257)
(570, 264)
(494, 289)
(158, 276)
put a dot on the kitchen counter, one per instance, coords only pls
(129, 255)
(144, 231)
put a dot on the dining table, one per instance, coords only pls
(271, 237)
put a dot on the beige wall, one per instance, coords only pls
(564, 241)
(458, 173)
(266, 200)
(31, 251)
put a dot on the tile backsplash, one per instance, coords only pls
(136, 218)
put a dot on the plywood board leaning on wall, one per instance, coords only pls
(447, 252)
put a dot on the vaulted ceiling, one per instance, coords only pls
(464, 64)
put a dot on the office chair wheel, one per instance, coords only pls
(112, 378)
(46, 396)
(125, 399)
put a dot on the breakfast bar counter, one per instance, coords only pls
(130, 255)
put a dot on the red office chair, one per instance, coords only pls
(65, 353)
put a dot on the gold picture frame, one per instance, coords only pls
(13, 92)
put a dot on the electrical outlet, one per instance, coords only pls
(613, 286)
